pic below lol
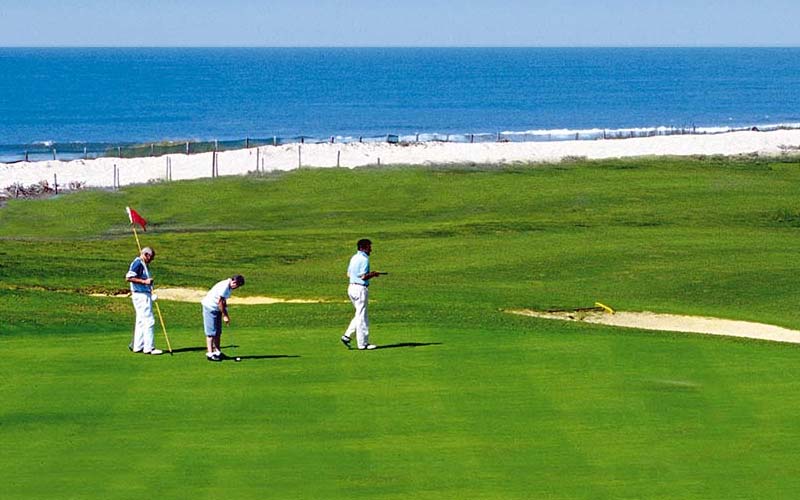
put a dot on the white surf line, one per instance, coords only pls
(673, 323)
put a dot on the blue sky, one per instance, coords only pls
(399, 23)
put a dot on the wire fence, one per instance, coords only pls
(89, 150)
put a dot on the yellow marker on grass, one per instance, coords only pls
(605, 307)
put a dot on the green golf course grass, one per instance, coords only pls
(461, 400)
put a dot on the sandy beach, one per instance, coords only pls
(100, 172)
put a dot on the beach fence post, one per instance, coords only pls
(119, 151)
(26, 156)
(417, 139)
(247, 143)
(471, 138)
(187, 148)
(258, 153)
(338, 157)
(216, 158)
(300, 155)
(55, 182)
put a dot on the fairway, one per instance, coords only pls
(460, 400)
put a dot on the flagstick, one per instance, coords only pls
(138, 245)
(158, 309)
(163, 328)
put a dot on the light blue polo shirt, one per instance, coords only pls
(139, 270)
(359, 266)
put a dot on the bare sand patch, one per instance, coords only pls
(196, 295)
(670, 322)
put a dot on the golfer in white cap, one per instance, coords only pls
(141, 294)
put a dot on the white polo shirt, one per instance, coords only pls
(221, 290)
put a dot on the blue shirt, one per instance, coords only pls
(359, 266)
(138, 270)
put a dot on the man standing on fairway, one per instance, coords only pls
(215, 311)
(359, 274)
(141, 293)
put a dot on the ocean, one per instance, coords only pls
(69, 99)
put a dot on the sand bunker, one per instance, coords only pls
(196, 295)
(671, 323)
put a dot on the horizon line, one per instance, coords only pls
(488, 46)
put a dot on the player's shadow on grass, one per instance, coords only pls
(226, 357)
(188, 349)
(408, 344)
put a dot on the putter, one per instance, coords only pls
(233, 344)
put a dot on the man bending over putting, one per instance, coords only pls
(215, 311)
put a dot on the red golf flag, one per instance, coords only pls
(136, 218)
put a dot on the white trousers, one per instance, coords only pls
(143, 339)
(359, 296)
